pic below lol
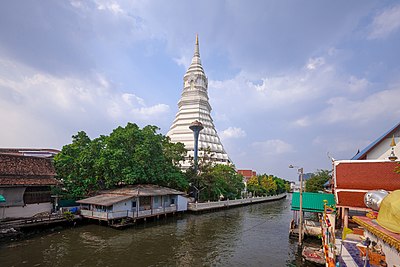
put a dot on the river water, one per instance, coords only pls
(254, 235)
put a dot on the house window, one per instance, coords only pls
(37, 194)
(172, 201)
(145, 203)
(134, 204)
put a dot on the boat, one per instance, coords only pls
(314, 255)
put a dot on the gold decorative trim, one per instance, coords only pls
(384, 236)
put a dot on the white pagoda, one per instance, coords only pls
(193, 106)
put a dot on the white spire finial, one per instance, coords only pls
(196, 48)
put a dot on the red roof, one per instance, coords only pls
(351, 199)
(355, 178)
(247, 173)
(367, 175)
(23, 170)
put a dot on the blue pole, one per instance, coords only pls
(196, 133)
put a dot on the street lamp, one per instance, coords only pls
(196, 127)
(300, 170)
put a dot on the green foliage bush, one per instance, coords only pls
(317, 180)
(129, 155)
(68, 216)
(263, 185)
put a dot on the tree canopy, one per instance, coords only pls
(129, 155)
(317, 180)
(214, 181)
(264, 184)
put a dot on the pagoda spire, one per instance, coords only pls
(196, 56)
(196, 48)
(194, 106)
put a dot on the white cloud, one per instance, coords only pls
(303, 122)
(110, 6)
(274, 91)
(385, 23)
(274, 146)
(232, 132)
(382, 104)
(358, 85)
(42, 102)
(314, 63)
(183, 61)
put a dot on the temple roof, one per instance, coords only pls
(362, 154)
(367, 175)
(353, 178)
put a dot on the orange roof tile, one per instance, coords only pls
(367, 175)
(351, 199)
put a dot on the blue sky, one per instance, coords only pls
(289, 81)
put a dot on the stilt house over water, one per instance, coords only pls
(135, 202)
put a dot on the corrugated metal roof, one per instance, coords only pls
(104, 199)
(109, 197)
(144, 190)
(312, 202)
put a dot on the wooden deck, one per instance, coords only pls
(196, 207)
(106, 216)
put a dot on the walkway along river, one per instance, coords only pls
(254, 235)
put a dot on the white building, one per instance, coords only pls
(194, 105)
(135, 202)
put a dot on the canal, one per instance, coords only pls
(254, 235)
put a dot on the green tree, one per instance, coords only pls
(214, 180)
(268, 184)
(253, 186)
(129, 155)
(317, 180)
(264, 184)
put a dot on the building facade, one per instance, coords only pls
(381, 148)
(25, 184)
(194, 105)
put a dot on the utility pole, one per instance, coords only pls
(301, 171)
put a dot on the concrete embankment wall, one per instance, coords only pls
(195, 207)
(25, 211)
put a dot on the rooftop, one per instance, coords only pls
(23, 170)
(109, 197)
(312, 202)
(366, 175)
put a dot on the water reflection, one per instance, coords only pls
(255, 235)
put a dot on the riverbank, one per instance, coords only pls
(20, 231)
(252, 235)
(210, 206)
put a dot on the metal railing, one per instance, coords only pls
(104, 215)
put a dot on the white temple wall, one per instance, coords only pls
(383, 150)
